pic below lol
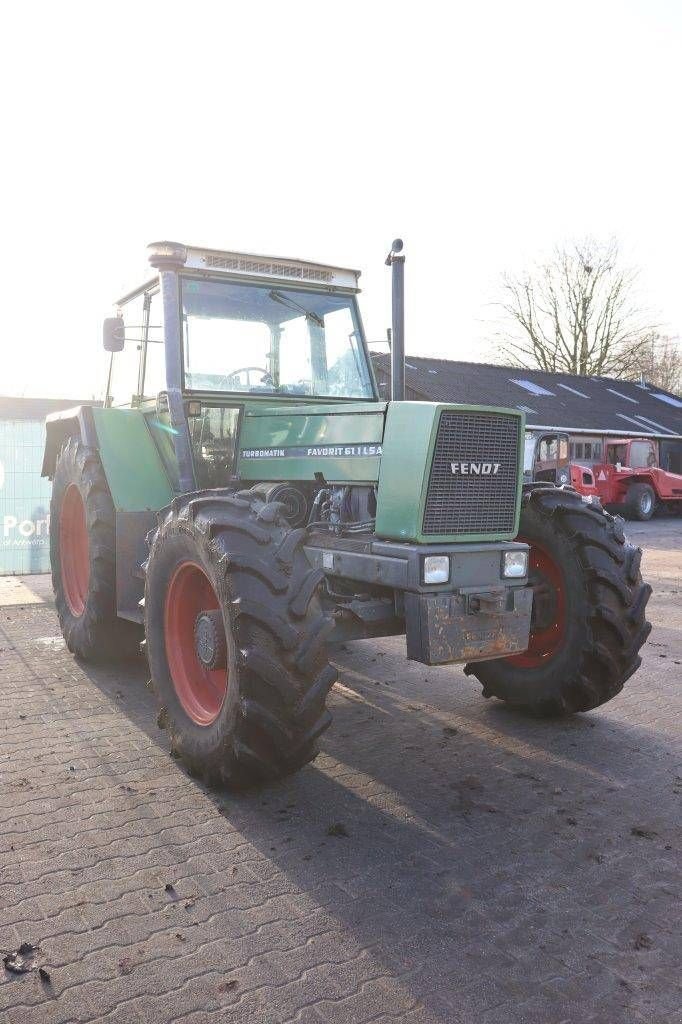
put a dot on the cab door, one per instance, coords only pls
(551, 459)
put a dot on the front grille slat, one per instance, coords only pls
(458, 504)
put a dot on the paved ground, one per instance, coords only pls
(480, 868)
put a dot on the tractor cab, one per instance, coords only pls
(547, 459)
(217, 334)
(631, 453)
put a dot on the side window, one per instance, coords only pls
(563, 449)
(154, 354)
(528, 453)
(588, 449)
(125, 365)
(548, 449)
(578, 449)
(596, 450)
(213, 436)
(640, 451)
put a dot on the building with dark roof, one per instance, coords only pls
(553, 401)
(591, 410)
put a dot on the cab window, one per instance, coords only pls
(641, 455)
(154, 356)
(261, 339)
(139, 370)
(617, 453)
(124, 369)
(548, 449)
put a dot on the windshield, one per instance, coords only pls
(272, 340)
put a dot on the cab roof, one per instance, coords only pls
(243, 264)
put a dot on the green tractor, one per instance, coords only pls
(245, 498)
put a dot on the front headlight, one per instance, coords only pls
(515, 564)
(436, 569)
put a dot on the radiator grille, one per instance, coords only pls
(473, 499)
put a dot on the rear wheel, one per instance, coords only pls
(236, 639)
(589, 602)
(640, 502)
(83, 558)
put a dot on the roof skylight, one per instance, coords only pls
(629, 419)
(535, 389)
(527, 410)
(653, 423)
(575, 391)
(675, 402)
(621, 395)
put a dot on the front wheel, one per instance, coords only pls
(640, 502)
(236, 639)
(589, 601)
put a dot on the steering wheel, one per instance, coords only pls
(248, 370)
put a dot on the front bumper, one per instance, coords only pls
(476, 616)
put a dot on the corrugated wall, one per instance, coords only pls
(24, 498)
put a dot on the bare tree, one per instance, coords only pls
(576, 313)
(659, 362)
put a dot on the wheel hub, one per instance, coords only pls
(209, 639)
(191, 601)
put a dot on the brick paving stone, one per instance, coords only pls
(490, 875)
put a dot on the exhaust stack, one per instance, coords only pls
(397, 264)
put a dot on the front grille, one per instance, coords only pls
(474, 498)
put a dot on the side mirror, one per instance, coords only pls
(113, 334)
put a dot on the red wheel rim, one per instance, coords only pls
(200, 690)
(74, 550)
(544, 642)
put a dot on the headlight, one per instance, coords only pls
(436, 569)
(515, 564)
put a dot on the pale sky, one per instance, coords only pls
(482, 133)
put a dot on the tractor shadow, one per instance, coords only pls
(476, 854)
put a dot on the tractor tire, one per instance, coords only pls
(83, 559)
(236, 639)
(640, 502)
(589, 605)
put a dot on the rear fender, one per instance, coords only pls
(60, 426)
(614, 486)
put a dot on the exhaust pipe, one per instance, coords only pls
(397, 264)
